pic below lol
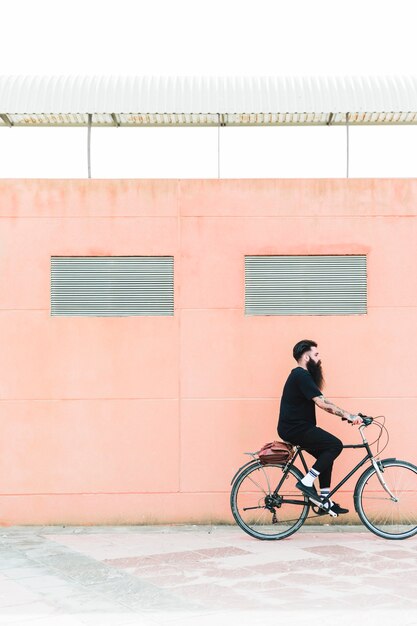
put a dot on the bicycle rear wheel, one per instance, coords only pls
(258, 511)
(382, 515)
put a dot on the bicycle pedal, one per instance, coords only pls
(323, 508)
(317, 503)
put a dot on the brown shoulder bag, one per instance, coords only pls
(275, 452)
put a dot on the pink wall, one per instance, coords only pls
(143, 419)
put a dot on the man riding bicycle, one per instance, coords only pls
(297, 422)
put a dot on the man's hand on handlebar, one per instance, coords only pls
(352, 418)
(355, 419)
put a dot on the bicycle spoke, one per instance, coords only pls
(258, 485)
(378, 498)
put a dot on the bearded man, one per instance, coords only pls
(297, 422)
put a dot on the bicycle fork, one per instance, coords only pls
(382, 481)
(377, 468)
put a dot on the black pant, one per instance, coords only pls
(325, 447)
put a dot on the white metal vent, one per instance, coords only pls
(305, 285)
(112, 286)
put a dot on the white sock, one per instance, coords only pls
(324, 493)
(309, 478)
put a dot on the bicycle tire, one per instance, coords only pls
(377, 511)
(262, 527)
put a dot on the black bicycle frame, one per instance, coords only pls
(342, 482)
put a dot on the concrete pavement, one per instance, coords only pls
(204, 575)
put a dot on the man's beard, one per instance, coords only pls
(316, 372)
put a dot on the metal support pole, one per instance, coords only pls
(89, 145)
(347, 145)
(218, 146)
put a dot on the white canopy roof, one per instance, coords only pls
(206, 101)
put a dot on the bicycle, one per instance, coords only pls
(266, 504)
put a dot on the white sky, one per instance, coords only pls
(229, 37)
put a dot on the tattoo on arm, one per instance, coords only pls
(328, 406)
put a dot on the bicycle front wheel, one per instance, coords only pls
(261, 512)
(389, 516)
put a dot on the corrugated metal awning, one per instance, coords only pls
(206, 101)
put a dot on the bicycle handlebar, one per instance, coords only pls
(365, 419)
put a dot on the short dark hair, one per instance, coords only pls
(302, 346)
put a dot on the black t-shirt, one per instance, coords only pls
(298, 411)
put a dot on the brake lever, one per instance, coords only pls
(365, 419)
